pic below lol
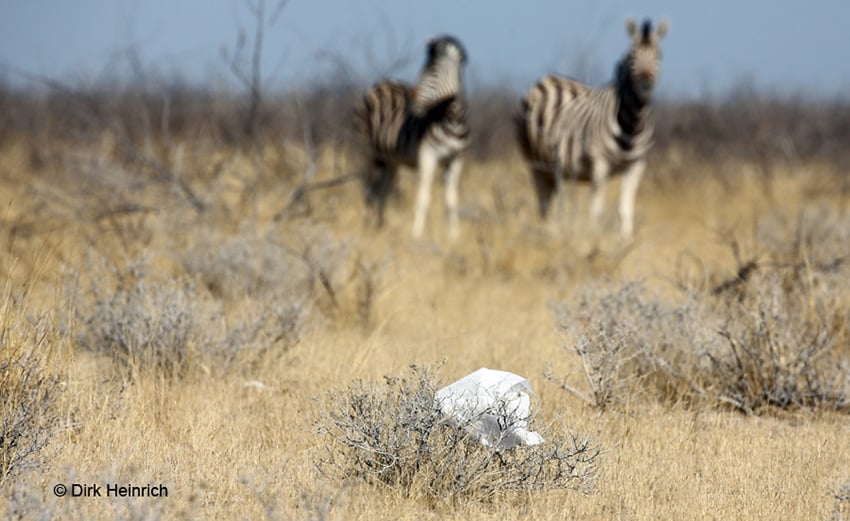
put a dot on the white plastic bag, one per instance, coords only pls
(492, 406)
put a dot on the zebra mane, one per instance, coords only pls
(645, 35)
(623, 70)
(646, 31)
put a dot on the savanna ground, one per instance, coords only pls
(177, 311)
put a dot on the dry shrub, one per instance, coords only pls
(630, 344)
(777, 353)
(169, 327)
(392, 434)
(29, 414)
(244, 263)
(268, 289)
(841, 512)
(774, 336)
(786, 323)
(243, 298)
(143, 324)
(290, 282)
(306, 263)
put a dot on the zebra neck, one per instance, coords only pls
(437, 84)
(631, 111)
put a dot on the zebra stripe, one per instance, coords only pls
(568, 130)
(423, 126)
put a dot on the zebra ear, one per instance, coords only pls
(663, 27)
(632, 28)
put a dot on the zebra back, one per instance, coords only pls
(396, 119)
(382, 114)
(565, 123)
(542, 116)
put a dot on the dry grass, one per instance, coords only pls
(277, 313)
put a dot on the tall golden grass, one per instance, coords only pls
(195, 348)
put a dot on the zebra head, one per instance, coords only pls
(644, 58)
(445, 48)
(441, 76)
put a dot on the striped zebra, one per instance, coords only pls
(423, 127)
(568, 130)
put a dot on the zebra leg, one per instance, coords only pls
(544, 187)
(452, 196)
(560, 193)
(378, 185)
(559, 152)
(427, 167)
(628, 194)
(597, 197)
(368, 176)
(386, 189)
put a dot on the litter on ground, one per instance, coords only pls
(493, 407)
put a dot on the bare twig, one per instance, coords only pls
(251, 77)
(569, 388)
(305, 188)
(741, 277)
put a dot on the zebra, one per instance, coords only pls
(568, 130)
(423, 127)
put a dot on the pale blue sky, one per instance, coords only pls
(783, 46)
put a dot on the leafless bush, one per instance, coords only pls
(245, 263)
(393, 434)
(271, 327)
(29, 416)
(630, 343)
(307, 265)
(764, 353)
(166, 326)
(21, 503)
(325, 257)
(279, 286)
(785, 325)
(319, 501)
(841, 512)
(774, 336)
(142, 323)
(777, 354)
(244, 296)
